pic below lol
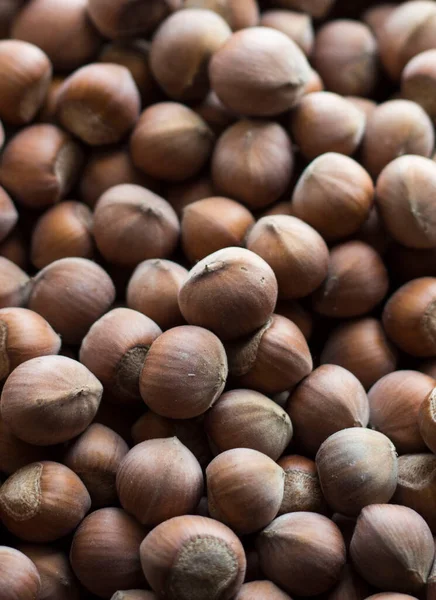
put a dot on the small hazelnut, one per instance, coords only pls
(357, 467)
(216, 115)
(297, 26)
(171, 142)
(302, 552)
(377, 16)
(366, 105)
(182, 194)
(184, 373)
(237, 72)
(47, 114)
(43, 501)
(418, 82)
(314, 84)
(298, 314)
(15, 248)
(134, 595)
(259, 590)
(247, 419)
(233, 292)
(105, 552)
(25, 73)
(350, 587)
(99, 103)
(19, 577)
(8, 214)
(14, 284)
(173, 559)
(241, 478)
(328, 400)
(302, 487)
(316, 8)
(72, 293)
(427, 420)
(239, 14)
(392, 548)
(15, 454)
(410, 263)
(373, 232)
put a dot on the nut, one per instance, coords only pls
(239, 14)
(18, 576)
(419, 79)
(427, 420)
(258, 590)
(8, 213)
(302, 488)
(297, 26)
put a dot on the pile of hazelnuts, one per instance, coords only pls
(217, 300)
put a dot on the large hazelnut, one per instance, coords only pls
(15, 285)
(427, 420)
(239, 14)
(418, 81)
(19, 577)
(297, 26)
(259, 590)
(8, 214)
(302, 488)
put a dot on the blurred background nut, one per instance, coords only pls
(418, 81)
(8, 214)
(15, 284)
(239, 14)
(298, 26)
(18, 575)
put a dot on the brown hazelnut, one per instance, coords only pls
(373, 232)
(15, 454)
(72, 293)
(297, 26)
(233, 292)
(314, 84)
(173, 559)
(391, 596)
(302, 552)
(15, 248)
(212, 224)
(132, 224)
(334, 195)
(239, 14)
(171, 142)
(377, 16)
(366, 105)
(418, 82)
(216, 115)
(357, 467)
(302, 488)
(14, 284)
(99, 103)
(361, 346)
(316, 8)
(259, 590)
(105, 552)
(427, 420)
(237, 72)
(8, 10)
(350, 587)
(392, 548)
(184, 373)
(40, 165)
(253, 162)
(247, 419)
(408, 317)
(47, 114)
(19, 577)
(357, 281)
(8, 214)
(328, 400)
(295, 312)
(410, 263)
(181, 194)
(25, 73)
(241, 478)
(134, 595)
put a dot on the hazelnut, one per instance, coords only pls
(328, 400)
(8, 10)
(14, 284)
(181, 194)
(61, 29)
(377, 16)
(15, 454)
(427, 420)
(15, 249)
(181, 50)
(239, 14)
(159, 479)
(25, 73)
(134, 595)
(40, 165)
(99, 103)
(50, 399)
(357, 467)
(19, 577)
(241, 478)
(334, 195)
(43, 501)
(216, 115)
(408, 317)
(237, 72)
(316, 8)
(105, 552)
(295, 312)
(350, 587)
(356, 282)
(247, 419)
(361, 347)
(171, 142)
(118, 417)
(373, 232)
(72, 293)
(392, 548)
(428, 367)
(366, 105)
(47, 114)
(296, 253)
(184, 373)
(8, 214)
(391, 596)
(173, 559)
(132, 224)
(297, 26)
(64, 230)
(302, 488)
(411, 263)
(233, 292)
(302, 552)
(314, 84)
(259, 590)
(418, 82)
(404, 128)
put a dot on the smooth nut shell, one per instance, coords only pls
(298, 26)
(19, 578)
(8, 212)
(239, 14)
(259, 590)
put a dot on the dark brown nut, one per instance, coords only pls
(2, 135)
(357, 467)
(374, 233)
(366, 105)
(259, 590)
(47, 114)
(181, 50)
(405, 129)
(410, 263)
(212, 224)
(239, 14)
(19, 577)
(357, 281)
(61, 29)
(247, 419)
(408, 317)
(361, 347)
(295, 312)
(297, 26)
(216, 115)
(99, 103)
(239, 478)
(15, 454)
(15, 249)
(328, 400)
(8, 10)
(392, 548)
(172, 557)
(351, 586)
(302, 552)
(209, 297)
(171, 142)
(8, 214)
(377, 16)
(184, 372)
(43, 501)
(182, 194)
(334, 195)
(14, 284)
(40, 165)
(296, 253)
(315, 8)
(64, 230)
(253, 162)
(418, 82)
(237, 72)
(272, 360)
(122, 19)
(429, 368)
(105, 552)
(394, 403)
(25, 73)
(427, 420)
(302, 488)
(72, 293)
